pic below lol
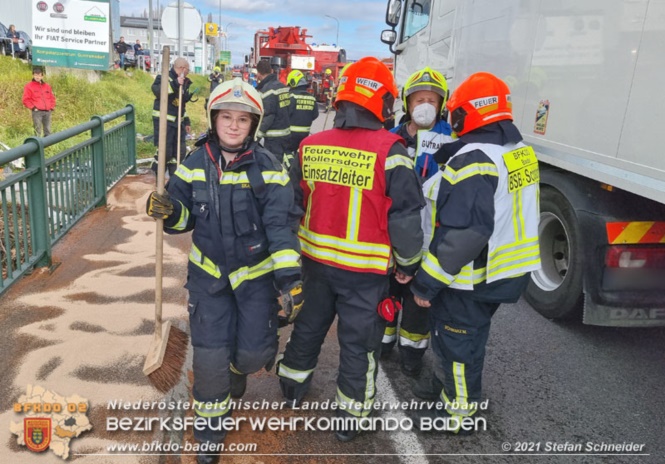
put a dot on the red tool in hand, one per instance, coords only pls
(388, 308)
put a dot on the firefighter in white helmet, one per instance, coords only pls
(236, 198)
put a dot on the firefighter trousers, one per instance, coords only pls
(236, 328)
(277, 146)
(171, 145)
(460, 327)
(410, 331)
(353, 297)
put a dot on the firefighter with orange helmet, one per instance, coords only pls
(362, 203)
(484, 227)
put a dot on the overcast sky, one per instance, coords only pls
(360, 22)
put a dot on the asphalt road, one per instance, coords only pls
(84, 330)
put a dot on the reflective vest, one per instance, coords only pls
(513, 246)
(346, 207)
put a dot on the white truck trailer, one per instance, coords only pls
(587, 81)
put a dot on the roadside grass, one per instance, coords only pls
(77, 100)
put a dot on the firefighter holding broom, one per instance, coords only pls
(178, 96)
(236, 198)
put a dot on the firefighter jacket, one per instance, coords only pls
(483, 216)
(302, 113)
(423, 146)
(38, 96)
(238, 214)
(215, 79)
(174, 90)
(276, 103)
(361, 196)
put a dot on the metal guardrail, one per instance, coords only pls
(42, 202)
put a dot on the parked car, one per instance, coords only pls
(133, 61)
(5, 42)
(24, 43)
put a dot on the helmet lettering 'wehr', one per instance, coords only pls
(239, 96)
(480, 100)
(369, 83)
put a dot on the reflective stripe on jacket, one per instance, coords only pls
(344, 186)
(512, 249)
(240, 224)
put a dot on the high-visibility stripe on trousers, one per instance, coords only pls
(353, 297)
(460, 327)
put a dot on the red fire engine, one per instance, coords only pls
(286, 48)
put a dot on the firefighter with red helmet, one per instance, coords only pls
(362, 202)
(302, 110)
(423, 97)
(484, 226)
(235, 197)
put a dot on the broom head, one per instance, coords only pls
(166, 358)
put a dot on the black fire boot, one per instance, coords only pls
(238, 384)
(428, 388)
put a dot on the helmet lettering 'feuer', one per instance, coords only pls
(480, 100)
(369, 83)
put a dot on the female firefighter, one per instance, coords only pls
(236, 198)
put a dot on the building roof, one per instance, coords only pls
(139, 23)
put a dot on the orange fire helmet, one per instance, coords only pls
(480, 100)
(369, 83)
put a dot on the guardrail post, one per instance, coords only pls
(98, 161)
(131, 143)
(38, 202)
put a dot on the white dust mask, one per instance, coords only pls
(424, 114)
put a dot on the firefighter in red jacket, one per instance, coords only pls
(362, 203)
(38, 97)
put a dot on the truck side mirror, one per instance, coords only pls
(393, 12)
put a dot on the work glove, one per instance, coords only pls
(291, 301)
(159, 206)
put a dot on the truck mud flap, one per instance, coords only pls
(598, 314)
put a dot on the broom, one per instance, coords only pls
(166, 358)
(179, 154)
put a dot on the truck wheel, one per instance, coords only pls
(555, 291)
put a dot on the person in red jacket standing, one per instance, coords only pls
(38, 97)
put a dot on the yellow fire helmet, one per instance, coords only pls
(426, 79)
(296, 78)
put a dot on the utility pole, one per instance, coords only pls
(181, 27)
(337, 36)
(151, 45)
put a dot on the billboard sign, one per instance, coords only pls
(225, 57)
(71, 33)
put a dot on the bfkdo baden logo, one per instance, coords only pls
(50, 421)
(37, 434)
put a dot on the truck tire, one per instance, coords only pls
(556, 290)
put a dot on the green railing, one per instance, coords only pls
(43, 201)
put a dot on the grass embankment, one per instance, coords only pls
(77, 100)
